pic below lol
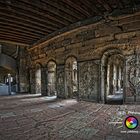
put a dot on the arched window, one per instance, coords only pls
(51, 78)
(71, 76)
(38, 79)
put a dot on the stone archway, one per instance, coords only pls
(51, 78)
(112, 76)
(71, 77)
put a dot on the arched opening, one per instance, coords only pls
(112, 77)
(38, 79)
(115, 78)
(8, 82)
(51, 86)
(71, 77)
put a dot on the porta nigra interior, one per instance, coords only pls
(96, 60)
(86, 51)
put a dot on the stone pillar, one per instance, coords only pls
(38, 80)
(32, 81)
(44, 81)
(23, 73)
(114, 77)
(60, 78)
(108, 79)
(119, 79)
(9, 84)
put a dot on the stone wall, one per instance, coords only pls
(88, 44)
(89, 80)
(132, 76)
(23, 71)
(60, 81)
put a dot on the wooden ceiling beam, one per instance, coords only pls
(3, 34)
(50, 17)
(91, 8)
(85, 7)
(105, 4)
(2, 30)
(28, 9)
(76, 7)
(7, 38)
(95, 8)
(11, 19)
(27, 17)
(65, 8)
(88, 7)
(48, 7)
(14, 43)
(21, 30)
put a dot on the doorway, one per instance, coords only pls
(71, 77)
(112, 77)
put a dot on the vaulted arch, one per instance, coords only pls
(112, 76)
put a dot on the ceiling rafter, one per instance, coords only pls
(31, 21)
(12, 42)
(95, 8)
(18, 33)
(30, 18)
(41, 11)
(7, 28)
(31, 8)
(76, 7)
(64, 8)
(92, 6)
(9, 38)
(105, 4)
(17, 36)
(23, 27)
(8, 20)
(20, 29)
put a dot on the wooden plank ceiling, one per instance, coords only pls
(28, 21)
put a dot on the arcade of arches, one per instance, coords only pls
(98, 62)
(69, 69)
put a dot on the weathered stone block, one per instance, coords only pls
(131, 26)
(105, 30)
(89, 80)
(103, 39)
(125, 35)
(60, 81)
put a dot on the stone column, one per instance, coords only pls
(119, 79)
(44, 81)
(114, 77)
(9, 84)
(108, 79)
(60, 81)
(32, 81)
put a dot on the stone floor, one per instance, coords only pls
(32, 117)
